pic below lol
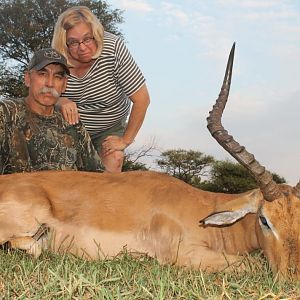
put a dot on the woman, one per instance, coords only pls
(104, 80)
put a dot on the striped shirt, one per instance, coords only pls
(101, 95)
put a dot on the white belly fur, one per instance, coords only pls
(90, 243)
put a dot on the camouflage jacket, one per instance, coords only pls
(31, 142)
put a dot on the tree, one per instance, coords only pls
(133, 157)
(130, 165)
(229, 177)
(187, 165)
(27, 25)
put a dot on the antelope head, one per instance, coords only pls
(278, 211)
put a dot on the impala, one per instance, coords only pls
(95, 215)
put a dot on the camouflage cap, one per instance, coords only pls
(44, 57)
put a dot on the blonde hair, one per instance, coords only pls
(70, 18)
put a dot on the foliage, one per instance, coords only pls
(278, 179)
(193, 166)
(187, 165)
(134, 155)
(27, 25)
(130, 165)
(229, 177)
(11, 81)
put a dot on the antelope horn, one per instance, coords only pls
(297, 189)
(264, 178)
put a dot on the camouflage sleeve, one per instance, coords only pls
(2, 124)
(3, 144)
(88, 158)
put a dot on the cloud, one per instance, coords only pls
(175, 13)
(214, 32)
(264, 10)
(194, 37)
(179, 16)
(270, 135)
(195, 22)
(255, 4)
(271, 15)
(136, 5)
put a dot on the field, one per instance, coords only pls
(66, 277)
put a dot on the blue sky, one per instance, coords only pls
(182, 49)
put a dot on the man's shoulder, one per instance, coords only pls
(62, 123)
(80, 128)
(11, 106)
(12, 102)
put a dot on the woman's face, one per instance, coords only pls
(81, 43)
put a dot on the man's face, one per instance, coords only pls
(45, 87)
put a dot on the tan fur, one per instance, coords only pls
(95, 215)
(27, 243)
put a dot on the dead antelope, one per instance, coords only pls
(96, 215)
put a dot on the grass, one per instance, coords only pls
(66, 277)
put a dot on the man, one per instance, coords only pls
(33, 135)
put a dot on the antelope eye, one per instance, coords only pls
(264, 222)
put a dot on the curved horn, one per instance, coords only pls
(297, 189)
(264, 178)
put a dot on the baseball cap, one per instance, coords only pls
(44, 57)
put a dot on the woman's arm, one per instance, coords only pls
(68, 109)
(140, 100)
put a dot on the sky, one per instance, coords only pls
(182, 48)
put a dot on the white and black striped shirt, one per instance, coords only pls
(102, 93)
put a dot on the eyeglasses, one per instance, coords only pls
(74, 44)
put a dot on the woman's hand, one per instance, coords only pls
(113, 143)
(69, 110)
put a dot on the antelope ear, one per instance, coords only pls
(229, 212)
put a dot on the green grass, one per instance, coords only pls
(65, 277)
